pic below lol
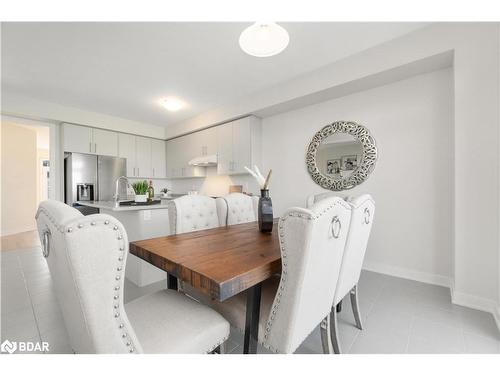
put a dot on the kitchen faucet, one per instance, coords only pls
(117, 184)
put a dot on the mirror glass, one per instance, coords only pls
(339, 155)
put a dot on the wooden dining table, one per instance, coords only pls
(221, 263)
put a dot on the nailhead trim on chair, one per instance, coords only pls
(284, 269)
(119, 269)
(216, 345)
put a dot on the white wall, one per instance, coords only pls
(19, 179)
(412, 122)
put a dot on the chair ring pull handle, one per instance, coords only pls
(46, 243)
(367, 216)
(336, 227)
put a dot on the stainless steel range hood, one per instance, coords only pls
(204, 161)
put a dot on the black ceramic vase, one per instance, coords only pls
(265, 212)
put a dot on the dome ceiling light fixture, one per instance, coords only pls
(264, 39)
(172, 103)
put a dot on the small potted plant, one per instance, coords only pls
(141, 191)
(164, 192)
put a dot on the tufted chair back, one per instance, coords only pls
(312, 243)
(191, 213)
(237, 208)
(363, 210)
(86, 256)
(315, 198)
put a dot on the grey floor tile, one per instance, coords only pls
(368, 342)
(439, 315)
(427, 336)
(479, 323)
(475, 344)
(58, 341)
(382, 320)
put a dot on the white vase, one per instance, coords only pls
(141, 198)
(164, 195)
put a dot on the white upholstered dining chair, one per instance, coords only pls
(237, 208)
(363, 210)
(311, 200)
(86, 256)
(191, 213)
(312, 242)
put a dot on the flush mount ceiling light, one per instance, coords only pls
(264, 39)
(172, 104)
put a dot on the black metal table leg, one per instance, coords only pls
(172, 282)
(252, 320)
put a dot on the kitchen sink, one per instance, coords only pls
(134, 203)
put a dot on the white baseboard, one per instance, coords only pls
(406, 273)
(475, 302)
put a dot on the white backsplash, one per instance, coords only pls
(212, 184)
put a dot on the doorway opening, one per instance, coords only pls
(25, 172)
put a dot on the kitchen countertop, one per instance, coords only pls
(110, 205)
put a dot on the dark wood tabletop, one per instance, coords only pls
(220, 262)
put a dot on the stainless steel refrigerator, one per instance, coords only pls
(92, 178)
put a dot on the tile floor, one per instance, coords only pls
(400, 316)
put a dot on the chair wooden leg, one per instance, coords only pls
(355, 306)
(326, 340)
(334, 329)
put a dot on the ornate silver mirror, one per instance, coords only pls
(341, 155)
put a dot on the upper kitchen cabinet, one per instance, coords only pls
(126, 149)
(158, 158)
(143, 157)
(105, 142)
(146, 157)
(204, 142)
(87, 140)
(238, 145)
(77, 138)
(179, 152)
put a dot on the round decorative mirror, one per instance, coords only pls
(341, 155)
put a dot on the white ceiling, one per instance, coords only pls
(121, 69)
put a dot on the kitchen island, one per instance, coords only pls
(141, 222)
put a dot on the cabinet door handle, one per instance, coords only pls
(95, 148)
(134, 172)
(90, 146)
(138, 173)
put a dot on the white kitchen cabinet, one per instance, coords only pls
(204, 142)
(238, 145)
(88, 140)
(77, 138)
(126, 149)
(105, 142)
(179, 152)
(224, 148)
(158, 158)
(143, 157)
(172, 158)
